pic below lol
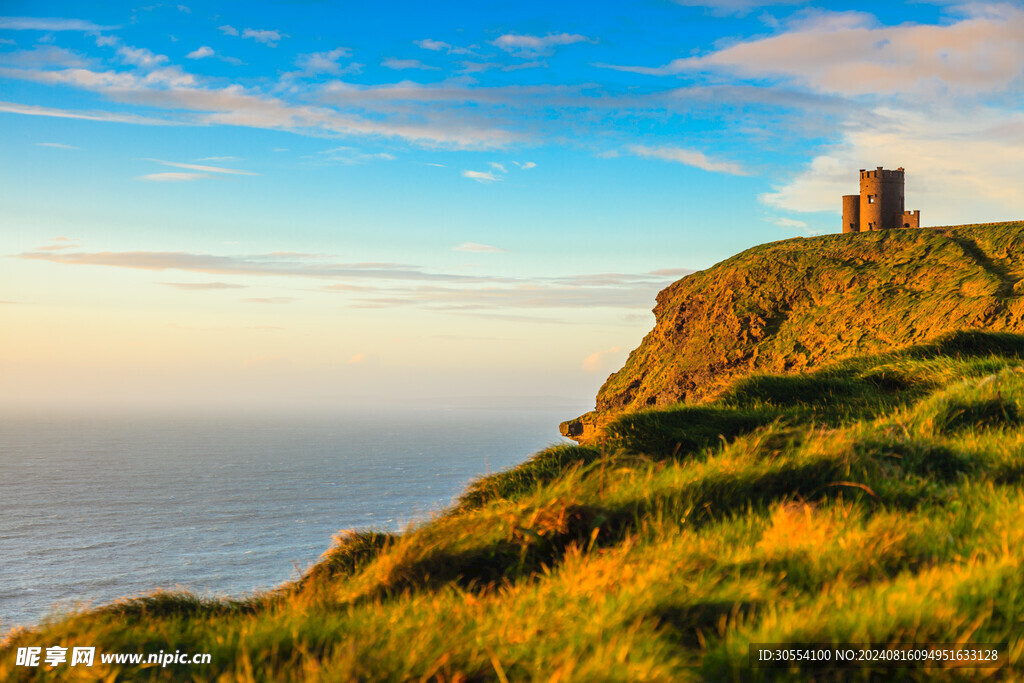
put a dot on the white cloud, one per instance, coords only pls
(173, 89)
(435, 45)
(140, 57)
(228, 30)
(497, 167)
(401, 64)
(439, 46)
(326, 62)
(270, 38)
(480, 176)
(200, 53)
(963, 165)
(49, 24)
(525, 166)
(204, 169)
(850, 54)
(595, 361)
(688, 157)
(479, 248)
(45, 55)
(174, 177)
(56, 145)
(536, 45)
(32, 110)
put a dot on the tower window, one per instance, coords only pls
(871, 199)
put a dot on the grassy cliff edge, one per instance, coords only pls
(864, 489)
(793, 305)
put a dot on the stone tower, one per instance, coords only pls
(879, 206)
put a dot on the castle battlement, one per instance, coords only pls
(879, 206)
(883, 174)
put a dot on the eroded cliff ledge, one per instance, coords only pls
(796, 304)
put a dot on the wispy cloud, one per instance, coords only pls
(688, 157)
(401, 64)
(351, 155)
(58, 244)
(479, 248)
(740, 7)
(49, 24)
(269, 300)
(383, 285)
(34, 110)
(204, 169)
(270, 38)
(172, 89)
(524, 45)
(480, 176)
(56, 145)
(174, 177)
(526, 166)
(281, 264)
(198, 286)
(228, 30)
(327, 62)
(200, 53)
(440, 46)
(140, 56)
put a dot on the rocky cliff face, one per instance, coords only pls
(792, 305)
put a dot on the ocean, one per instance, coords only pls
(94, 508)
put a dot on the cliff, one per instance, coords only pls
(790, 306)
(874, 499)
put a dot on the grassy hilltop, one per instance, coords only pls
(794, 305)
(869, 492)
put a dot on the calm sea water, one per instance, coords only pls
(95, 508)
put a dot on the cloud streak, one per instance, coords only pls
(479, 248)
(204, 169)
(687, 157)
(481, 176)
(385, 285)
(49, 24)
(174, 177)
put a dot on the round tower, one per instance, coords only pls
(881, 199)
(851, 213)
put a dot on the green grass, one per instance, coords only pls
(875, 500)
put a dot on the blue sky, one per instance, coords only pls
(327, 203)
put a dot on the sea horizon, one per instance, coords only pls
(99, 505)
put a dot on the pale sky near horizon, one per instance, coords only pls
(313, 203)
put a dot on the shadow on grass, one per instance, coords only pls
(529, 550)
(690, 625)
